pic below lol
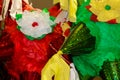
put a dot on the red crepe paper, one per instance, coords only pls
(94, 18)
(55, 10)
(30, 55)
(6, 47)
(112, 21)
(67, 32)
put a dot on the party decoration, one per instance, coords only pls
(79, 41)
(70, 6)
(106, 45)
(34, 43)
(4, 10)
(34, 24)
(16, 8)
(32, 49)
(62, 17)
(73, 73)
(110, 70)
(56, 68)
(105, 10)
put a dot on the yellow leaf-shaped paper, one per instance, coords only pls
(56, 67)
(105, 10)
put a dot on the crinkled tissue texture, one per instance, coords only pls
(106, 10)
(35, 23)
(31, 55)
(107, 45)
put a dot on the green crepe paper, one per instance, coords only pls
(18, 27)
(107, 46)
(29, 37)
(42, 36)
(18, 16)
(45, 10)
(80, 2)
(52, 18)
(32, 38)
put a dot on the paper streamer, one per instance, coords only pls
(16, 8)
(73, 73)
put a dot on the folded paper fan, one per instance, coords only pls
(79, 41)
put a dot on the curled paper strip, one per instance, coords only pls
(62, 16)
(73, 73)
(4, 9)
(70, 6)
(16, 8)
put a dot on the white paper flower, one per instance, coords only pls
(35, 23)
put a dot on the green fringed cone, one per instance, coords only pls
(79, 41)
(111, 70)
